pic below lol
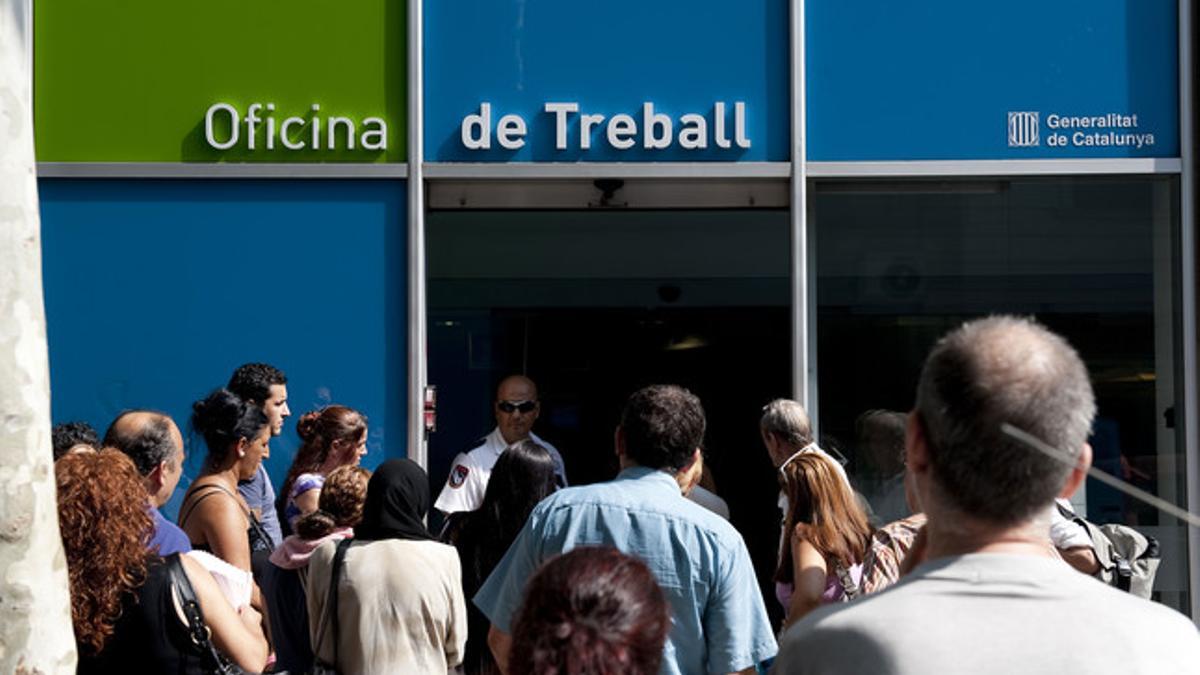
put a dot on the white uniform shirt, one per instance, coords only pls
(471, 469)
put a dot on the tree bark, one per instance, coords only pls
(35, 609)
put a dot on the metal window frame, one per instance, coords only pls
(1187, 284)
(417, 371)
(804, 372)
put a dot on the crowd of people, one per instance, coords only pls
(339, 572)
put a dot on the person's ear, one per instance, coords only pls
(689, 475)
(242, 444)
(1078, 472)
(154, 479)
(916, 444)
(619, 442)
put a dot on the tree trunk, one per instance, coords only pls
(35, 608)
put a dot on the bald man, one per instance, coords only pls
(516, 409)
(153, 441)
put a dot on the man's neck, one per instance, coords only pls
(508, 443)
(955, 534)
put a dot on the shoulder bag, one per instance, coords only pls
(321, 667)
(201, 635)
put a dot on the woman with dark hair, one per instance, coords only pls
(522, 477)
(331, 437)
(591, 611)
(826, 537)
(213, 515)
(340, 509)
(122, 603)
(399, 605)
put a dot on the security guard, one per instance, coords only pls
(516, 408)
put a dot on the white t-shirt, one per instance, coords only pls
(993, 614)
(471, 469)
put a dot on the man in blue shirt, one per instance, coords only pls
(265, 385)
(719, 622)
(154, 443)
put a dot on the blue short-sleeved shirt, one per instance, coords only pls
(719, 622)
(167, 538)
(260, 494)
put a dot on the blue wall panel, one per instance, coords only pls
(936, 79)
(610, 57)
(157, 290)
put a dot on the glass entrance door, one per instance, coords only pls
(594, 304)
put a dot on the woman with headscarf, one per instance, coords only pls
(399, 600)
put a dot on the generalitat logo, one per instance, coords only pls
(1023, 129)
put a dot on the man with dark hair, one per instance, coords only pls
(990, 596)
(263, 385)
(719, 622)
(153, 441)
(69, 435)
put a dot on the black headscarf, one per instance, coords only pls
(397, 501)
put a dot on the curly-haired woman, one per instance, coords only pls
(122, 604)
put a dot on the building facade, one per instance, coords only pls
(761, 200)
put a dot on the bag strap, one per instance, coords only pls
(215, 489)
(260, 532)
(850, 589)
(198, 631)
(331, 599)
(1109, 558)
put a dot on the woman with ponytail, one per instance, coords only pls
(338, 511)
(214, 516)
(331, 437)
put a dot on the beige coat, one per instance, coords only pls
(400, 607)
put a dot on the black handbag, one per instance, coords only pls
(329, 616)
(201, 635)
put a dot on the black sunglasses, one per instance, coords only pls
(513, 406)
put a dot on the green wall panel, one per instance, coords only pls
(132, 80)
